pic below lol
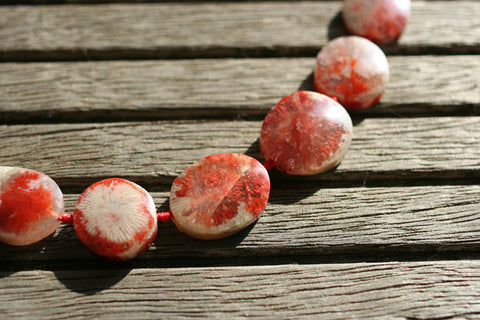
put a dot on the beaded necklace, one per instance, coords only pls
(305, 133)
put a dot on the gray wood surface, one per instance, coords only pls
(215, 29)
(156, 152)
(392, 233)
(395, 290)
(116, 90)
(306, 222)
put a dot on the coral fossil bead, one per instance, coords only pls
(116, 219)
(352, 69)
(219, 195)
(306, 133)
(382, 21)
(30, 205)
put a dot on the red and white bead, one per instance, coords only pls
(352, 69)
(306, 133)
(382, 21)
(116, 219)
(30, 205)
(219, 195)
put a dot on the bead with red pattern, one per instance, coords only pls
(382, 21)
(116, 219)
(352, 69)
(306, 133)
(30, 205)
(219, 195)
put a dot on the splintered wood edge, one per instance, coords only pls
(408, 290)
(216, 30)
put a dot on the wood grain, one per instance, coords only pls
(177, 30)
(326, 246)
(116, 90)
(302, 221)
(156, 152)
(421, 290)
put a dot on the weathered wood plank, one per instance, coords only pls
(304, 220)
(115, 90)
(421, 290)
(215, 29)
(156, 152)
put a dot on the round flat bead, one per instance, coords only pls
(30, 205)
(352, 69)
(219, 195)
(116, 219)
(306, 133)
(382, 21)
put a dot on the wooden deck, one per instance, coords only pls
(90, 90)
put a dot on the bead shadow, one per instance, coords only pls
(5, 258)
(291, 189)
(84, 272)
(254, 151)
(48, 254)
(92, 281)
(336, 27)
(164, 207)
(5, 274)
(307, 83)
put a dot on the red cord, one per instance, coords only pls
(164, 216)
(66, 218)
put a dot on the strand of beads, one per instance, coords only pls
(304, 133)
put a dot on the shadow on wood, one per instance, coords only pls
(91, 281)
(254, 151)
(336, 27)
(169, 235)
(307, 83)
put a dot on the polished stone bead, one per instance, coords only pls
(382, 21)
(219, 195)
(115, 219)
(306, 133)
(30, 205)
(352, 69)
